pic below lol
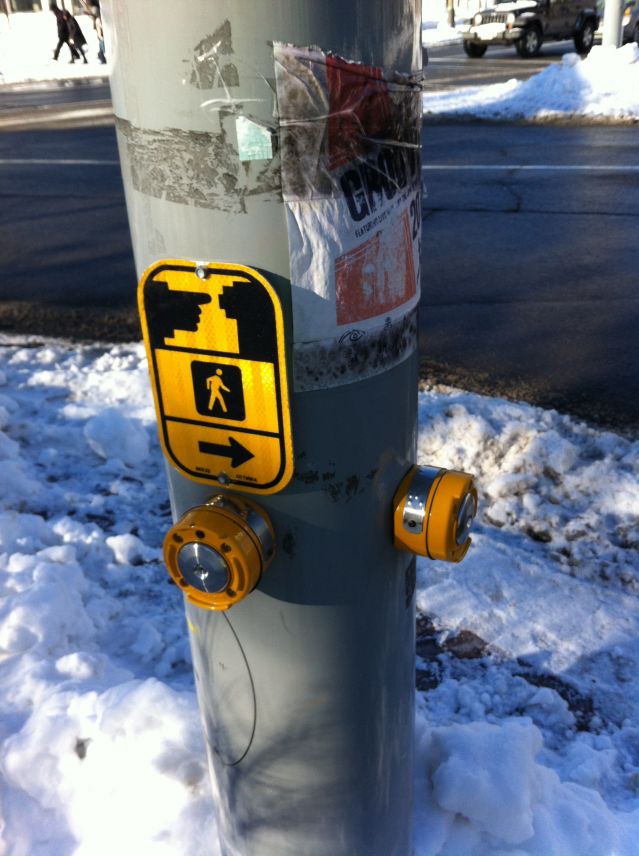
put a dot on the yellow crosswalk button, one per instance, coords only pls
(214, 337)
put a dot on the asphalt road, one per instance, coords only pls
(53, 93)
(64, 239)
(529, 247)
(530, 256)
(68, 104)
(449, 67)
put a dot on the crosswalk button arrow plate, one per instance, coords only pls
(214, 337)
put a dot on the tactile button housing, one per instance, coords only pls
(433, 511)
(216, 553)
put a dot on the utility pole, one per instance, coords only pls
(271, 162)
(612, 23)
(450, 12)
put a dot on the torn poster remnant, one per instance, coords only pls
(351, 177)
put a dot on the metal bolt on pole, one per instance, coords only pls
(270, 157)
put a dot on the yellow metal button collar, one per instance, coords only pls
(433, 511)
(216, 553)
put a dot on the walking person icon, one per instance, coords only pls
(218, 390)
(216, 387)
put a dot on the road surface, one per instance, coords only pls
(449, 67)
(530, 256)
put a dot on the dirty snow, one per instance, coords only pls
(527, 737)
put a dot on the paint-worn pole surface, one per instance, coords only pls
(306, 686)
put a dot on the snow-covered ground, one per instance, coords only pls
(27, 42)
(435, 28)
(528, 737)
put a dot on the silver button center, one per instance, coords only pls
(203, 567)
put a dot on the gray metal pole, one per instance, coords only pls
(612, 24)
(306, 686)
(450, 12)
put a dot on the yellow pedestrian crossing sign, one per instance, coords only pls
(214, 337)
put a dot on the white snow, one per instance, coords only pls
(97, 707)
(27, 42)
(439, 33)
(604, 85)
(527, 749)
(112, 435)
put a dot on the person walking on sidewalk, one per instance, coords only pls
(63, 34)
(99, 31)
(76, 36)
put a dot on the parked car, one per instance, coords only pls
(527, 24)
(630, 21)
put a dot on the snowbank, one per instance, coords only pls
(526, 747)
(604, 85)
(487, 795)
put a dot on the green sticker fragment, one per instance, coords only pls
(254, 141)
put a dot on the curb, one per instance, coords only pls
(53, 83)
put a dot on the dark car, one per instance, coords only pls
(527, 24)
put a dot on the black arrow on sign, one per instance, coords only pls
(238, 453)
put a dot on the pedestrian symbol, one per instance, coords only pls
(215, 343)
(215, 384)
(217, 389)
